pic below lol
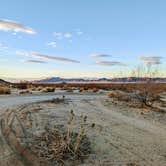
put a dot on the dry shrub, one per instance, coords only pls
(22, 85)
(39, 88)
(81, 89)
(95, 90)
(55, 100)
(56, 145)
(147, 94)
(48, 89)
(62, 145)
(28, 91)
(4, 90)
(120, 96)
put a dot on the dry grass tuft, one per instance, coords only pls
(62, 145)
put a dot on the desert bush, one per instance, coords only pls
(60, 145)
(28, 91)
(149, 91)
(95, 90)
(81, 89)
(48, 89)
(55, 100)
(147, 94)
(120, 96)
(4, 90)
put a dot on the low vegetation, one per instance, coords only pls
(60, 145)
(48, 89)
(4, 90)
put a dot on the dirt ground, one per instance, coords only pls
(121, 136)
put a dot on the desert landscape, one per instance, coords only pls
(82, 83)
(109, 125)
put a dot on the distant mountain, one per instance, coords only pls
(3, 81)
(123, 79)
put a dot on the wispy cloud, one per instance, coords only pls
(78, 32)
(34, 61)
(8, 25)
(53, 44)
(22, 53)
(99, 55)
(48, 57)
(60, 35)
(151, 60)
(3, 45)
(54, 58)
(110, 63)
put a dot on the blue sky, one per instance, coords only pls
(80, 38)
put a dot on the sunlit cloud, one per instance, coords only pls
(54, 58)
(8, 25)
(99, 55)
(53, 44)
(151, 60)
(68, 35)
(34, 61)
(48, 57)
(110, 63)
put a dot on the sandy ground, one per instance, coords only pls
(118, 138)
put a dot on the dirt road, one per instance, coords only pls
(117, 139)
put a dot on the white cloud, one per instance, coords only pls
(23, 53)
(110, 63)
(53, 44)
(8, 25)
(68, 35)
(79, 33)
(48, 57)
(14, 33)
(151, 60)
(99, 55)
(60, 35)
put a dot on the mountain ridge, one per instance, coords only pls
(121, 79)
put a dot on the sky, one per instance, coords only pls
(81, 38)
